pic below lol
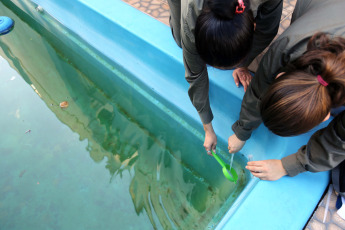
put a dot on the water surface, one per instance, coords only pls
(111, 160)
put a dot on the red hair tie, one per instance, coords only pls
(240, 8)
(322, 82)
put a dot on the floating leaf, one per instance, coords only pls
(64, 104)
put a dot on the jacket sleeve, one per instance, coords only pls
(197, 77)
(267, 25)
(175, 20)
(325, 150)
(275, 58)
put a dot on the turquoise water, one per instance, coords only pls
(112, 159)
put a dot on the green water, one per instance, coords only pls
(111, 160)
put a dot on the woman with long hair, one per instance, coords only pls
(299, 80)
(299, 99)
(223, 34)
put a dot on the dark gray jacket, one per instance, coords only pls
(184, 13)
(325, 150)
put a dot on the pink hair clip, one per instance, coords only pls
(322, 82)
(240, 8)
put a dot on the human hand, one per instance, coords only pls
(235, 144)
(210, 142)
(242, 75)
(267, 169)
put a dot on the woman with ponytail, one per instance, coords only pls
(301, 98)
(299, 81)
(309, 88)
(224, 34)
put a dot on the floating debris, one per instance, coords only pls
(28, 131)
(34, 88)
(64, 104)
(6, 25)
(22, 173)
(39, 9)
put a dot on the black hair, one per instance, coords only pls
(223, 37)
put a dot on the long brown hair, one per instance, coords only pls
(296, 101)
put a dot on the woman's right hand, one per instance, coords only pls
(242, 74)
(235, 144)
(210, 142)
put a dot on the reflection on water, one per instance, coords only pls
(159, 174)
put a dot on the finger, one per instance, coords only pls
(245, 86)
(255, 163)
(263, 178)
(243, 81)
(255, 168)
(242, 78)
(259, 175)
(231, 150)
(235, 76)
(249, 78)
(208, 149)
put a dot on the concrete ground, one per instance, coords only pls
(159, 9)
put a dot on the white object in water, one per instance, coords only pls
(250, 157)
(232, 159)
(39, 8)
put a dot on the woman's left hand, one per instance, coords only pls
(267, 169)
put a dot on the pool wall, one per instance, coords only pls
(145, 48)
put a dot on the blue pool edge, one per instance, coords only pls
(284, 204)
